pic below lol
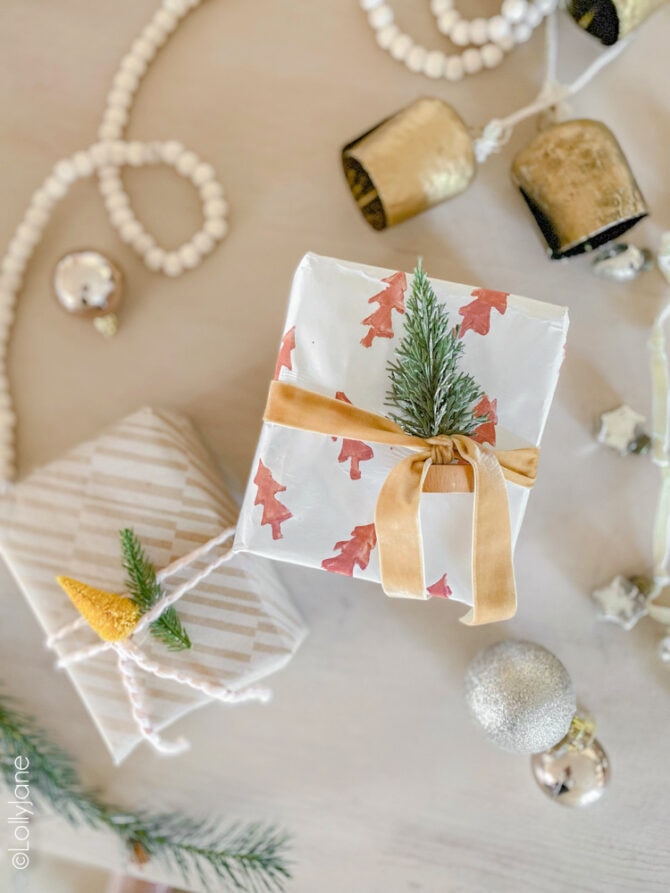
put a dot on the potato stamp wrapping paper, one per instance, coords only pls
(311, 497)
(150, 472)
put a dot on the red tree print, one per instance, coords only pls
(477, 314)
(285, 350)
(486, 432)
(390, 299)
(440, 589)
(355, 551)
(354, 450)
(274, 513)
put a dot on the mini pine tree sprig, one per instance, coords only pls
(427, 391)
(250, 858)
(145, 591)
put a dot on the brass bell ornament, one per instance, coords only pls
(579, 186)
(612, 20)
(417, 158)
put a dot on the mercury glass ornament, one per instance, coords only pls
(621, 430)
(577, 770)
(521, 695)
(88, 284)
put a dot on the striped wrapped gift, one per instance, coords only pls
(152, 473)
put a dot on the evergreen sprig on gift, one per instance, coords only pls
(428, 393)
(243, 857)
(145, 591)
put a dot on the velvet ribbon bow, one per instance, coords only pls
(443, 464)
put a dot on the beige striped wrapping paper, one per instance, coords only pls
(152, 473)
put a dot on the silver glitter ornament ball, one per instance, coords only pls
(86, 283)
(521, 695)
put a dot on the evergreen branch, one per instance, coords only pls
(145, 591)
(428, 393)
(246, 858)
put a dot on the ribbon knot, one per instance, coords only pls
(397, 520)
(441, 449)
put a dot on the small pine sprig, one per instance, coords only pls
(428, 393)
(250, 858)
(145, 591)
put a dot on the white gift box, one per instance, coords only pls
(311, 497)
(150, 472)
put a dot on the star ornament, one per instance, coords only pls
(620, 430)
(621, 602)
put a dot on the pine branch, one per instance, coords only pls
(145, 591)
(428, 393)
(246, 858)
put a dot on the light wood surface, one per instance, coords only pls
(367, 754)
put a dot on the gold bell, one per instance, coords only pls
(611, 20)
(409, 162)
(579, 186)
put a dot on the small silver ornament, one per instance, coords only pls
(88, 284)
(620, 429)
(623, 601)
(622, 262)
(521, 695)
(573, 776)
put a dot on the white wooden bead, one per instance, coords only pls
(453, 69)
(135, 153)
(522, 32)
(126, 80)
(154, 258)
(506, 43)
(187, 162)
(381, 16)
(110, 185)
(498, 28)
(460, 33)
(514, 10)
(114, 120)
(171, 150)
(37, 216)
(121, 216)
(400, 46)
(533, 16)
(386, 36)
(492, 55)
(119, 98)
(42, 199)
(117, 152)
(134, 64)
(12, 264)
(546, 6)
(65, 171)
(189, 256)
(212, 189)
(433, 66)
(367, 5)
(438, 7)
(100, 153)
(82, 163)
(177, 6)
(130, 230)
(203, 241)
(55, 188)
(447, 21)
(215, 207)
(472, 61)
(203, 173)
(416, 58)
(29, 232)
(155, 34)
(143, 242)
(144, 49)
(166, 19)
(479, 31)
(20, 250)
(109, 131)
(172, 265)
(216, 227)
(116, 201)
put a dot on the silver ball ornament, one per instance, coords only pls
(86, 283)
(521, 695)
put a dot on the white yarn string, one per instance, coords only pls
(105, 159)
(498, 131)
(661, 447)
(129, 656)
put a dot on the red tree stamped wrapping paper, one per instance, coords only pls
(311, 498)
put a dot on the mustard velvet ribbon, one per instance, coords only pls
(437, 465)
